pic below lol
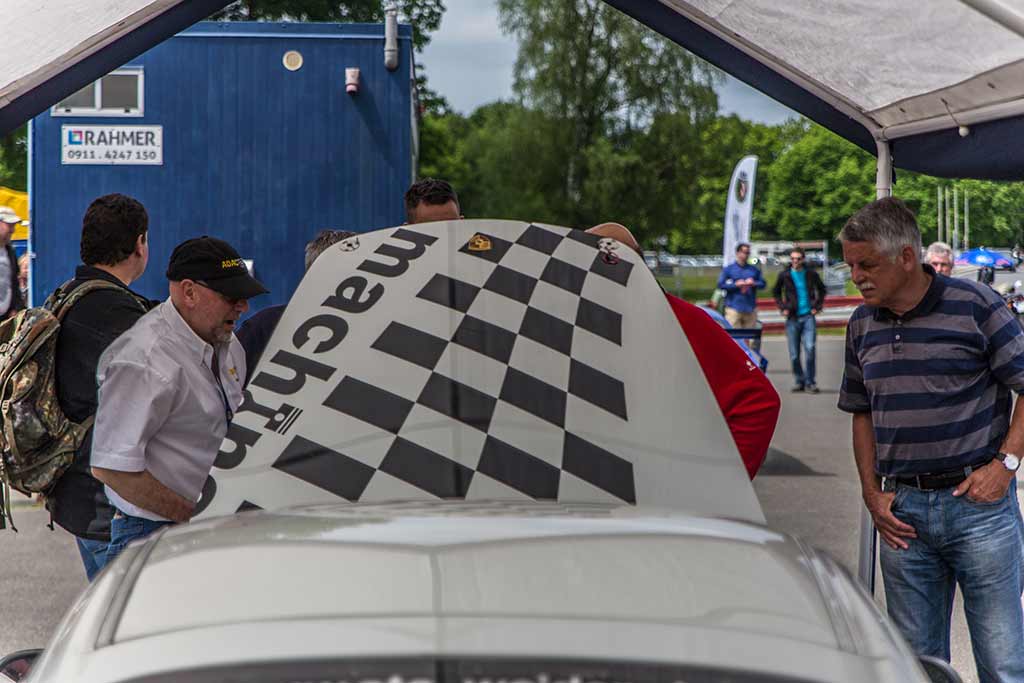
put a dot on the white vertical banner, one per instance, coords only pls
(738, 207)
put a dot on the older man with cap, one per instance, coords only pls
(11, 299)
(168, 389)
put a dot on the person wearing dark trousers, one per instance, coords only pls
(934, 377)
(800, 295)
(114, 248)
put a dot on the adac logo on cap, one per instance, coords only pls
(231, 263)
(479, 242)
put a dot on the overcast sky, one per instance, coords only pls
(470, 62)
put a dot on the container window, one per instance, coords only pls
(83, 99)
(117, 94)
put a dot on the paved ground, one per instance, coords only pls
(40, 576)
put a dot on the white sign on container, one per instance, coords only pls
(101, 145)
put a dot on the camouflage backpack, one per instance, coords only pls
(37, 441)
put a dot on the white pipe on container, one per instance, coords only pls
(391, 37)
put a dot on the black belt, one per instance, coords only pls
(937, 480)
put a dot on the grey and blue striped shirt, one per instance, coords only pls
(936, 380)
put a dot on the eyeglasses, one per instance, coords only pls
(228, 300)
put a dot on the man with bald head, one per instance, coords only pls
(168, 389)
(745, 396)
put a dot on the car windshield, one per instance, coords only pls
(463, 671)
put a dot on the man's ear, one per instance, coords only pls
(140, 243)
(911, 259)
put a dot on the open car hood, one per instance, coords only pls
(55, 47)
(479, 360)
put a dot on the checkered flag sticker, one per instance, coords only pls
(485, 360)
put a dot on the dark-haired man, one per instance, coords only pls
(168, 389)
(255, 332)
(431, 200)
(741, 280)
(800, 295)
(114, 248)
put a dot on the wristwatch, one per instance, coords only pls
(1009, 460)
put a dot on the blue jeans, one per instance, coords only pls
(977, 545)
(802, 332)
(94, 555)
(125, 529)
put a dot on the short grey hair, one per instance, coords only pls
(324, 239)
(940, 249)
(888, 224)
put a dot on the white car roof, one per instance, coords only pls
(461, 579)
(567, 563)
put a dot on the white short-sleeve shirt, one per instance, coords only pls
(160, 408)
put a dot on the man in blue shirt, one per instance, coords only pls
(741, 281)
(800, 295)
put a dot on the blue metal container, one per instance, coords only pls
(261, 145)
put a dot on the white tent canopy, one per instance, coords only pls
(897, 71)
(55, 47)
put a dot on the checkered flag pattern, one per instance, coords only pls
(529, 385)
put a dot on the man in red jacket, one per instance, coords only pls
(746, 397)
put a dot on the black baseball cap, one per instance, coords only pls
(216, 264)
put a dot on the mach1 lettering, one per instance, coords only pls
(287, 372)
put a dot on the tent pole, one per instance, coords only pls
(956, 220)
(967, 221)
(949, 222)
(938, 210)
(883, 175)
(868, 555)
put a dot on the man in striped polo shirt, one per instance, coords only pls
(930, 364)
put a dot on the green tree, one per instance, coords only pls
(14, 159)
(723, 142)
(816, 184)
(595, 74)
(424, 15)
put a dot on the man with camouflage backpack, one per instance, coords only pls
(114, 250)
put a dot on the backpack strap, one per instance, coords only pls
(61, 301)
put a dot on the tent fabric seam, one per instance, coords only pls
(784, 70)
(932, 93)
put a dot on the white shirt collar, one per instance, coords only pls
(202, 351)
